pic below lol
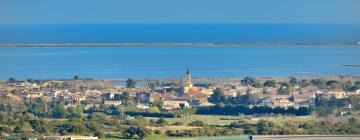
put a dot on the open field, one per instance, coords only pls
(226, 120)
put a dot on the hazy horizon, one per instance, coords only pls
(179, 11)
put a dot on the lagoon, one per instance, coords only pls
(166, 62)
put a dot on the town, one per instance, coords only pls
(138, 108)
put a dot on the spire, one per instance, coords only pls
(187, 71)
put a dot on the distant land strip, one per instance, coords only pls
(182, 44)
(351, 65)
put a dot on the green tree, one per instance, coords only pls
(284, 89)
(356, 86)
(248, 81)
(293, 81)
(23, 127)
(120, 113)
(125, 98)
(75, 126)
(135, 132)
(162, 122)
(77, 77)
(29, 80)
(333, 84)
(153, 85)
(270, 83)
(197, 123)
(304, 83)
(130, 83)
(218, 96)
(154, 109)
(38, 107)
(12, 80)
(58, 110)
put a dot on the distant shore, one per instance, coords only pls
(182, 44)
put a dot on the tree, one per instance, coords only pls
(320, 83)
(197, 123)
(356, 86)
(23, 127)
(157, 102)
(304, 83)
(58, 110)
(217, 97)
(293, 81)
(38, 107)
(284, 89)
(153, 85)
(76, 126)
(333, 84)
(270, 83)
(154, 109)
(130, 83)
(74, 112)
(30, 80)
(132, 132)
(162, 122)
(125, 98)
(248, 81)
(12, 80)
(76, 77)
(248, 99)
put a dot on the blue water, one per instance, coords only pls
(164, 62)
(125, 33)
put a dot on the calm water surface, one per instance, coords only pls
(163, 62)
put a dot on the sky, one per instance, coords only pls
(179, 11)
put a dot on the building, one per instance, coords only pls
(187, 84)
(175, 104)
(70, 138)
(110, 103)
(338, 94)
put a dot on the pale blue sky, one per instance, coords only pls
(179, 11)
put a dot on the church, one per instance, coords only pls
(190, 92)
(187, 84)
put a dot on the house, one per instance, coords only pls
(231, 93)
(195, 97)
(304, 99)
(34, 95)
(91, 105)
(70, 138)
(112, 103)
(206, 91)
(253, 90)
(269, 90)
(175, 104)
(78, 97)
(282, 102)
(278, 101)
(338, 94)
(143, 107)
(357, 91)
(143, 97)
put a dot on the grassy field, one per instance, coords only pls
(226, 120)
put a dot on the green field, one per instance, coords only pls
(226, 120)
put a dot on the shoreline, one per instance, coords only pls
(198, 79)
(183, 44)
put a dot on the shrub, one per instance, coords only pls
(197, 123)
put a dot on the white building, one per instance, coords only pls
(70, 138)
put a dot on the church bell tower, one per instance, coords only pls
(187, 81)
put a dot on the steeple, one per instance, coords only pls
(187, 71)
(187, 84)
